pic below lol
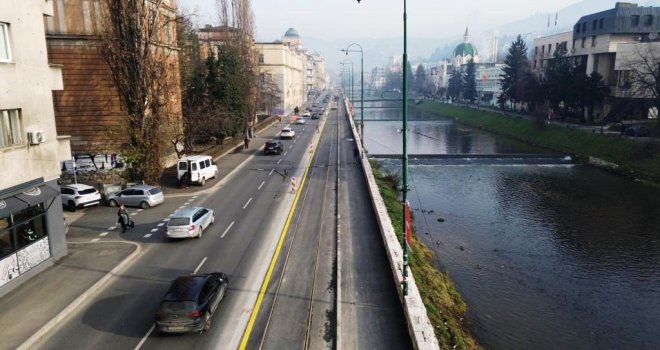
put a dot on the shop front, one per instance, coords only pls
(31, 235)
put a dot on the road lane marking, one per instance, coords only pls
(161, 224)
(290, 147)
(133, 214)
(171, 215)
(181, 207)
(294, 141)
(112, 228)
(285, 153)
(144, 339)
(154, 230)
(147, 235)
(262, 185)
(271, 172)
(139, 210)
(95, 240)
(280, 161)
(200, 265)
(227, 230)
(247, 203)
(194, 197)
(103, 234)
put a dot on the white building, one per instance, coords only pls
(31, 220)
(489, 77)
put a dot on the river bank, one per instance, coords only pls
(639, 160)
(444, 305)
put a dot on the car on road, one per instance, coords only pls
(637, 131)
(76, 196)
(300, 121)
(287, 133)
(190, 222)
(190, 302)
(273, 147)
(143, 196)
(307, 114)
(316, 115)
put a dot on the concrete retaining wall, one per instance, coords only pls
(419, 325)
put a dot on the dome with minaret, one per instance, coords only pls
(465, 51)
(292, 37)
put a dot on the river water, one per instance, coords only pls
(547, 255)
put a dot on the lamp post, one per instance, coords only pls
(350, 77)
(404, 242)
(361, 89)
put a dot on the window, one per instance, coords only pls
(648, 20)
(594, 24)
(634, 20)
(577, 28)
(21, 229)
(261, 58)
(584, 40)
(536, 50)
(593, 41)
(10, 127)
(5, 49)
(584, 27)
(549, 49)
(600, 23)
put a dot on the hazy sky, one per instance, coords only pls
(333, 19)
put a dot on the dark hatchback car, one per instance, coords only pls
(637, 131)
(190, 303)
(273, 147)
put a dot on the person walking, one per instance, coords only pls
(356, 154)
(246, 142)
(123, 218)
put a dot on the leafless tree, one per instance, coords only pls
(136, 40)
(640, 74)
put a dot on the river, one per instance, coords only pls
(547, 254)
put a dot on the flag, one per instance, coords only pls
(556, 16)
(548, 21)
(408, 225)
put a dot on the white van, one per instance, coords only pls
(201, 168)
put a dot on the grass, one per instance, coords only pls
(635, 159)
(444, 305)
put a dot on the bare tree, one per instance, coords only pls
(136, 37)
(640, 73)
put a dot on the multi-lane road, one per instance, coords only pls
(262, 232)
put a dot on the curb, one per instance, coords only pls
(80, 300)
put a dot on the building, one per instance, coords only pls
(295, 71)
(489, 77)
(31, 226)
(89, 108)
(606, 42)
(465, 52)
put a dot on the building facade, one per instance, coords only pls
(489, 77)
(31, 225)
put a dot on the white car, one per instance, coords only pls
(78, 196)
(300, 121)
(190, 222)
(287, 133)
(306, 115)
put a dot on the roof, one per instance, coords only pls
(195, 158)
(619, 20)
(185, 212)
(185, 288)
(291, 33)
(465, 49)
(78, 186)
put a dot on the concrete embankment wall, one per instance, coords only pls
(419, 325)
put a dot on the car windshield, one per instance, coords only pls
(178, 222)
(87, 191)
(177, 306)
(286, 130)
(183, 166)
(154, 190)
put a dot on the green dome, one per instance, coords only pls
(465, 49)
(291, 33)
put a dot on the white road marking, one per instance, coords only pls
(194, 197)
(139, 210)
(133, 214)
(171, 215)
(103, 234)
(166, 219)
(271, 172)
(294, 141)
(227, 230)
(280, 161)
(247, 203)
(95, 240)
(199, 266)
(154, 230)
(290, 147)
(147, 235)
(144, 339)
(181, 207)
(285, 153)
(262, 185)
(112, 228)
(161, 224)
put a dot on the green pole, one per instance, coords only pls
(404, 242)
(361, 98)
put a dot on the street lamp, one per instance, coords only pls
(361, 88)
(350, 78)
(404, 242)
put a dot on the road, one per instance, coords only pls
(252, 205)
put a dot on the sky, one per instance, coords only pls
(346, 19)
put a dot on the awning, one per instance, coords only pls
(29, 197)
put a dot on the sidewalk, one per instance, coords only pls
(40, 303)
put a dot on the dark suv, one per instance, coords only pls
(190, 303)
(273, 147)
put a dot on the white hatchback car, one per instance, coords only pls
(190, 222)
(287, 133)
(78, 196)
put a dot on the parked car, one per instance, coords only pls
(307, 114)
(198, 169)
(190, 302)
(76, 196)
(143, 196)
(637, 131)
(273, 147)
(190, 222)
(287, 133)
(300, 121)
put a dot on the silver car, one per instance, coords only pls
(143, 196)
(190, 222)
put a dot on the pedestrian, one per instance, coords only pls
(356, 154)
(246, 141)
(123, 219)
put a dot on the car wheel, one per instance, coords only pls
(212, 219)
(200, 231)
(207, 321)
(112, 203)
(202, 181)
(144, 205)
(71, 205)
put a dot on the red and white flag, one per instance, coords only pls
(408, 225)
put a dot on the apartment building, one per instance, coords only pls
(31, 220)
